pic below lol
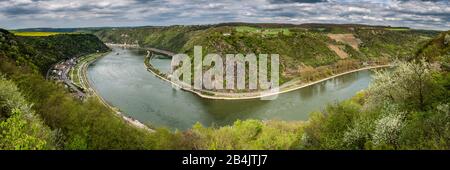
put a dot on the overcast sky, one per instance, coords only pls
(423, 14)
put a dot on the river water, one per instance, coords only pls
(123, 81)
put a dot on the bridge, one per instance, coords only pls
(163, 52)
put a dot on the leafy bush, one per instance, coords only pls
(20, 128)
(248, 134)
(406, 108)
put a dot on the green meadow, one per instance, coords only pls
(35, 34)
(264, 31)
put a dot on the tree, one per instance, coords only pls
(410, 85)
(20, 128)
(388, 126)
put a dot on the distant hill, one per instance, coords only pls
(69, 30)
(44, 51)
(299, 46)
(48, 30)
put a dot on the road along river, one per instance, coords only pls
(122, 80)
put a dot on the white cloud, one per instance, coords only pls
(76, 13)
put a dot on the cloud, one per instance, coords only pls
(425, 14)
(16, 10)
(297, 1)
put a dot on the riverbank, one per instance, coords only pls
(284, 88)
(81, 70)
(123, 81)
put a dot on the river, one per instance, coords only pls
(123, 81)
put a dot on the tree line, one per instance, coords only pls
(407, 108)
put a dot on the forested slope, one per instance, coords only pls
(73, 124)
(437, 49)
(48, 117)
(407, 108)
(320, 48)
(43, 51)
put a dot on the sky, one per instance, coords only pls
(418, 14)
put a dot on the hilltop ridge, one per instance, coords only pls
(302, 48)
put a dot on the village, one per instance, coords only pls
(60, 73)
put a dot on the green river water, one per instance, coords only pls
(123, 81)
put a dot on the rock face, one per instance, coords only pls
(349, 39)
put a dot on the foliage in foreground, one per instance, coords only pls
(359, 123)
(76, 124)
(20, 128)
(248, 134)
(407, 108)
